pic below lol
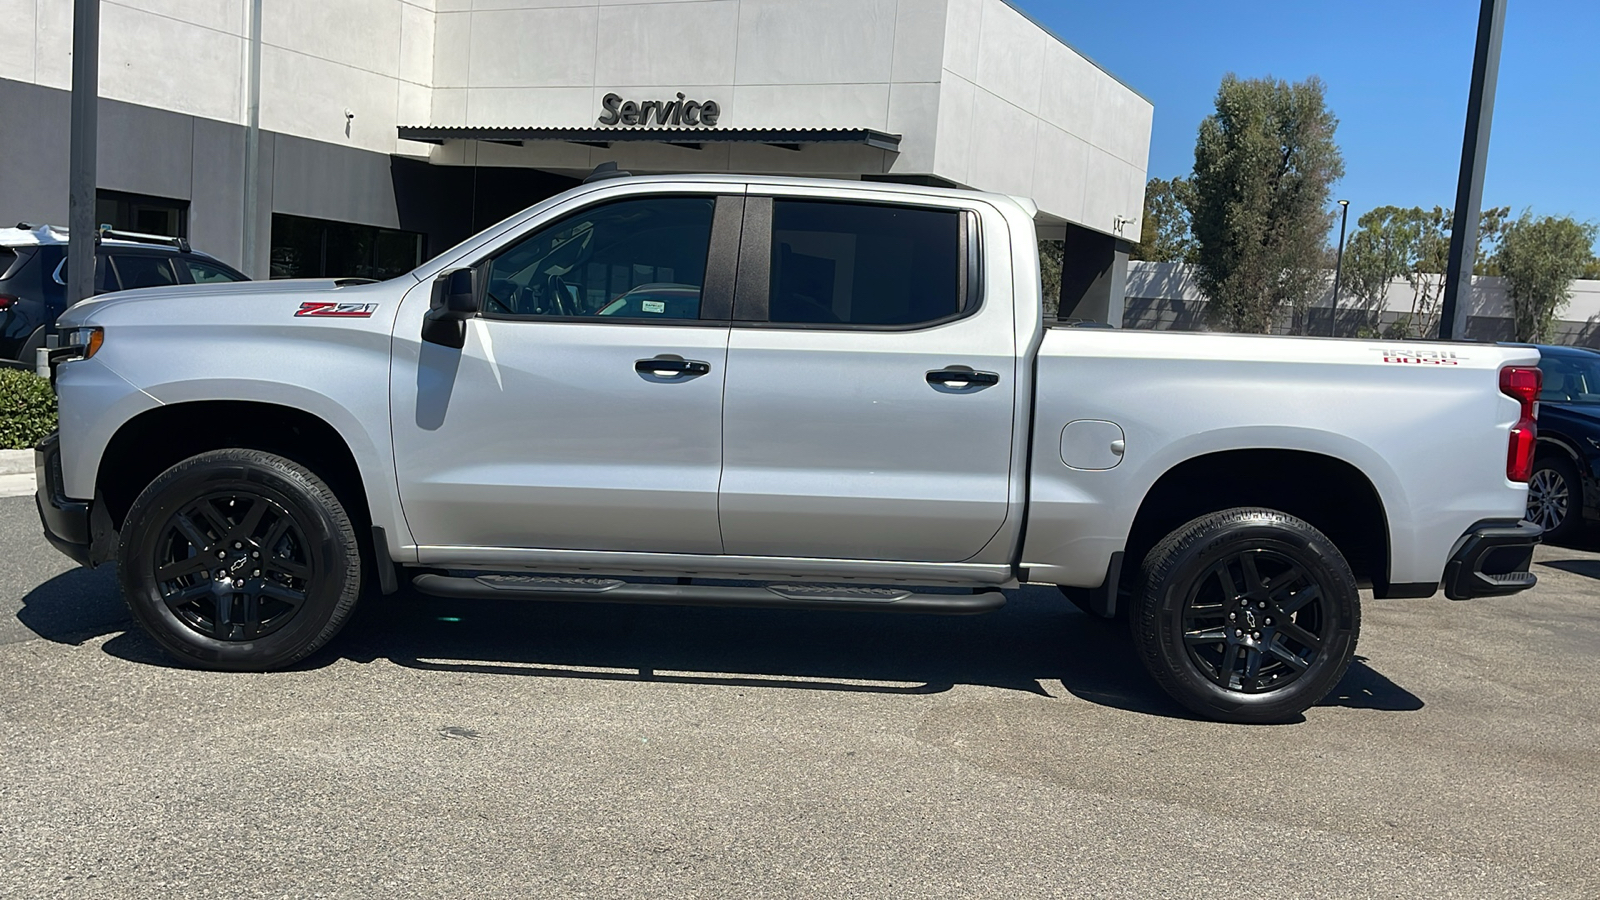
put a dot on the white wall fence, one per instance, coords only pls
(1166, 296)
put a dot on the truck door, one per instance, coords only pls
(585, 411)
(870, 389)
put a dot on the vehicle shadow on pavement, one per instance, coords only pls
(1037, 643)
(76, 606)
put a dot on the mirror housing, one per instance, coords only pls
(454, 301)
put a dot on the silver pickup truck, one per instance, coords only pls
(748, 391)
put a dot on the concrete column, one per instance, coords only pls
(1094, 276)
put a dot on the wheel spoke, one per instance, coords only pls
(285, 566)
(275, 534)
(1208, 636)
(187, 595)
(250, 522)
(286, 594)
(1252, 577)
(182, 567)
(193, 533)
(1230, 588)
(214, 518)
(251, 615)
(1294, 631)
(1298, 600)
(1252, 663)
(1289, 658)
(1230, 658)
(219, 624)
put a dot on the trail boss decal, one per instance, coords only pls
(1421, 357)
(321, 309)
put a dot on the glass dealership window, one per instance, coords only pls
(304, 247)
(141, 213)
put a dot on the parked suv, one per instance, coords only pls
(1564, 490)
(33, 276)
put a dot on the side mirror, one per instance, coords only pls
(454, 301)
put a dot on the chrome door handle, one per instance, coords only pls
(961, 378)
(668, 367)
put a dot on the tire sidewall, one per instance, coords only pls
(326, 538)
(1167, 597)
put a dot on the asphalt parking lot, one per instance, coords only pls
(474, 749)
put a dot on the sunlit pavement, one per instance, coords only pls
(476, 749)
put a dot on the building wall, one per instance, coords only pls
(318, 58)
(982, 96)
(1023, 113)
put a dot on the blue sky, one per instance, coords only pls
(1397, 73)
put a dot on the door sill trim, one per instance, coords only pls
(755, 568)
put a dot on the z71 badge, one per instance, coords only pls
(337, 310)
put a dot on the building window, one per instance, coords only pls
(317, 248)
(137, 212)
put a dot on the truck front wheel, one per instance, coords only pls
(1246, 615)
(239, 560)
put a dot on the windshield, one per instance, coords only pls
(1570, 379)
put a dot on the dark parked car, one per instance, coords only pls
(33, 276)
(1564, 491)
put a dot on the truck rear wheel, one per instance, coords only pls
(1246, 615)
(239, 560)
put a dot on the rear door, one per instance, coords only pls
(870, 389)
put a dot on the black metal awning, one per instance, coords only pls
(694, 138)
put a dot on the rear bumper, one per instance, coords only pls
(66, 522)
(1491, 560)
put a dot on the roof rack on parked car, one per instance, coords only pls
(106, 232)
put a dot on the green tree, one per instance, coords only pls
(1164, 234)
(1413, 244)
(1051, 254)
(1264, 163)
(1539, 258)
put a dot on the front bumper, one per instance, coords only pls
(1491, 560)
(71, 526)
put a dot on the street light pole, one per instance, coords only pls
(1474, 159)
(82, 149)
(1338, 265)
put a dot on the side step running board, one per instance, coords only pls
(773, 596)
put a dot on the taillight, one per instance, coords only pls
(1522, 384)
(5, 302)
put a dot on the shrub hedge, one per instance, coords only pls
(27, 409)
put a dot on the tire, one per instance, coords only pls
(1555, 498)
(30, 347)
(288, 565)
(1245, 577)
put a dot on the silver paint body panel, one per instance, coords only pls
(803, 454)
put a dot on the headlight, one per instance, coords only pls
(79, 343)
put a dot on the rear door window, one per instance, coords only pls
(136, 271)
(860, 264)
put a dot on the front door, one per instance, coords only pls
(870, 392)
(585, 410)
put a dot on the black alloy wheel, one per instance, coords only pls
(1555, 497)
(239, 559)
(234, 566)
(1255, 622)
(1246, 615)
